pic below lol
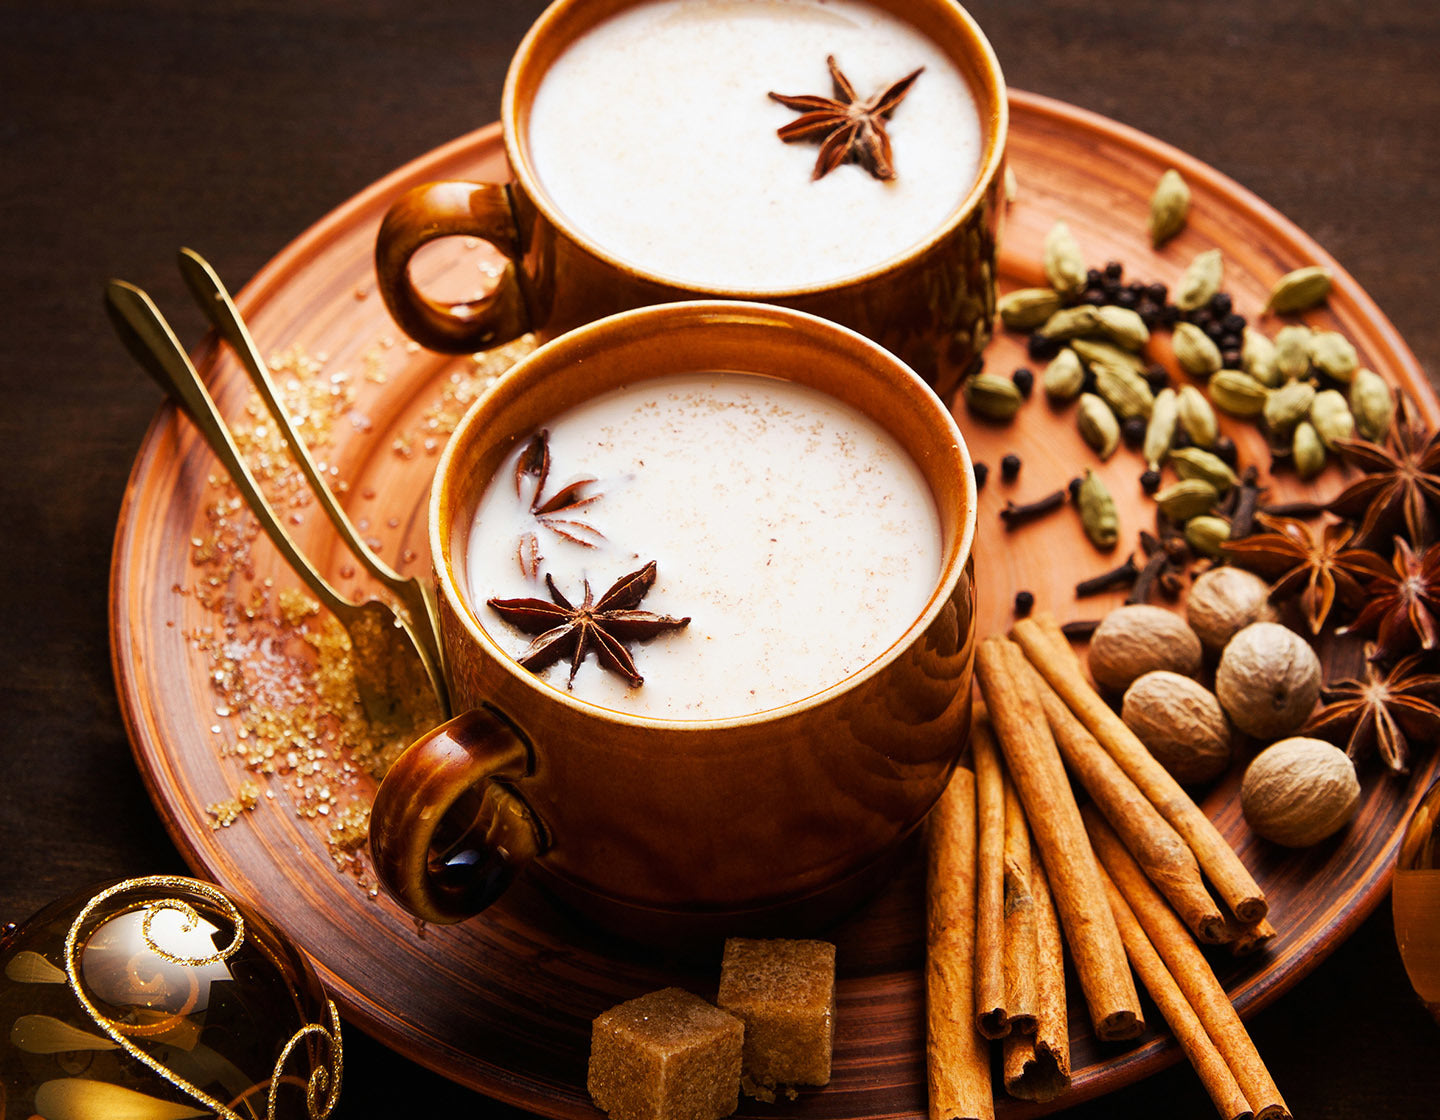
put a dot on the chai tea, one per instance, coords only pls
(654, 134)
(797, 535)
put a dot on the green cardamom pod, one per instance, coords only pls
(1201, 281)
(1197, 417)
(1196, 462)
(1206, 533)
(1191, 497)
(1160, 432)
(1372, 404)
(1064, 377)
(996, 398)
(1257, 358)
(1292, 351)
(1124, 326)
(1237, 393)
(1097, 352)
(1097, 424)
(1330, 413)
(1169, 207)
(1064, 263)
(1071, 322)
(1288, 405)
(1098, 516)
(1308, 450)
(1299, 290)
(1195, 350)
(1126, 393)
(1024, 309)
(1334, 355)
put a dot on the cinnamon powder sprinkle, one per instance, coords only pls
(278, 668)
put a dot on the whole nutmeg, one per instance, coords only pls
(1181, 723)
(1223, 601)
(1299, 791)
(1135, 639)
(1268, 680)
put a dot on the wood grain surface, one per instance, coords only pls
(131, 130)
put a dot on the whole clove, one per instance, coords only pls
(1122, 576)
(1014, 515)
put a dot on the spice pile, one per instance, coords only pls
(1225, 675)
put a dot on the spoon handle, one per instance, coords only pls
(153, 344)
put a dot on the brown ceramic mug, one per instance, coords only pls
(651, 824)
(932, 302)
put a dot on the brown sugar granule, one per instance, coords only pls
(667, 1055)
(784, 990)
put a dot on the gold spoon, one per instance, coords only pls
(386, 643)
(416, 596)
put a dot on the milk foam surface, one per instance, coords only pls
(653, 133)
(797, 534)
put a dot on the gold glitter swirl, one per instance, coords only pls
(321, 1080)
(324, 1080)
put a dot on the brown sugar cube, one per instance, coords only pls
(784, 990)
(667, 1055)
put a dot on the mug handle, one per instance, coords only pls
(451, 208)
(446, 835)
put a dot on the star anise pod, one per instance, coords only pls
(846, 126)
(1321, 570)
(1401, 482)
(557, 512)
(1380, 710)
(604, 626)
(1403, 603)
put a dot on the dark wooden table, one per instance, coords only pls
(130, 129)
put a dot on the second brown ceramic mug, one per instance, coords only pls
(658, 824)
(932, 304)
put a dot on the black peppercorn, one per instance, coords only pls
(1042, 349)
(1222, 304)
(982, 472)
(1010, 467)
(1024, 378)
(1169, 315)
(1093, 278)
(1233, 323)
(1114, 270)
(1157, 377)
(1024, 603)
(1127, 298)
(1133, 431)
(1150, 481)
(1158, 292)
(1181, 438)
(1225, 448)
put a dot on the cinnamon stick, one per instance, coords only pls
(1235, 885)
(991, 1016)
(1019, 963)
(1034, 764)
(957, 1058)
(1037, 1067)
(1160, 850)
(1245, 939)
(1190, 971)
(1189, 1032)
